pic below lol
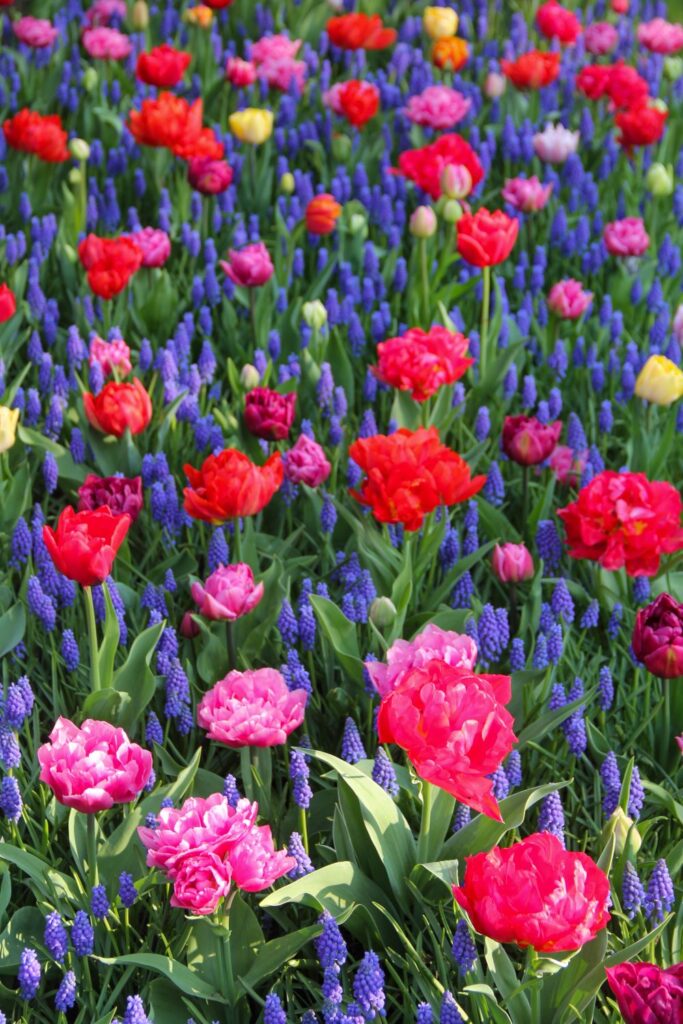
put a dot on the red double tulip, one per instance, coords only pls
(647, 994)
(533, 70)
(170, 121)
(556, 22)
(229, 485)
(8, 303)
(535, 893)
(121, 494)
(44, 136)
(528, 441)
(424, 166)
(357, 101)
(657, 639)
(110, 263)
(360, 32)
(322, 214)
(409, 474)
(423, 361)
(163, 66)
(268, 414)
(84, 545)
(640, 126)
(624, 520)
(486, 239)
(118, 407)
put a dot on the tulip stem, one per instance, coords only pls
(92, 638)
(425, 823)
(425, 280)
(484, 335)
(92, 848)
(237, 537)
(232, 648)
(525, 494)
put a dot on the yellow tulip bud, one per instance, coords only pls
(249, 377)
(8, 427)
(624, 830)
(440, 22)
(79, 149)
(287, 183)
(140, 16)
(252, 125)
(660, 179)
(90, 79)
(314, 314)
(660, 381)
(75, 176)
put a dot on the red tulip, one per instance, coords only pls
(486, 239)
(84, 545)
(118, 407)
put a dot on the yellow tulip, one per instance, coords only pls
(660, 381)
(252, 125)
(440, 22)
(8, 427)
(201, 15)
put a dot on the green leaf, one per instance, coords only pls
(47, 880)
(387, 829)
(135, 678)
(549, 720)
(110, 641)
(482, 833)
(184, 979)
(12, 628)
(507, 983)
(25, 929)
(341, 633)
(273, 955)
(442, 592)
(496, 524)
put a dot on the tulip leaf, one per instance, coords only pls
(182, 977)
(341, 633)
(12, 628)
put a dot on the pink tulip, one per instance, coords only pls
(433, 643)
(438, 107)
(110, 355)
(555, 143)
(155, 245)
(646, 994)
(209, 176)
(188, 627)
(250, 267)
(660, 36)
(273, 57)
(568, 300)
(104, 11)
(93, 767)
(240, 73)
(202, 881)
(255, 862)
(626, 237)
(38, 33)
(494, 85)
(201, 825)
(121, 494)
(512, 563)
(104, 43)
(228, 593)
(526, 194)
(251, 709)
(600, 38)
(568, 465)
(306, 463)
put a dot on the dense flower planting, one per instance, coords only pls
(341, 610)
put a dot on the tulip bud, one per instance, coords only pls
(512, 563)
(658, 104)
(188, 627)
(624, 831)
(140, 16)
(336, 5)
(660, 179)
(287, 183)
(383, 612)
(70, 253)
(456, 181)
(673, 68)
(358, 225)
(440, 22)
(452, 211)
(314, 314)
(90, 79)
(660, 381)
(423, 222)
(657, 638)
(249, 377)
(75, 176)
(494, 86)
(79, 149)
(341, 147)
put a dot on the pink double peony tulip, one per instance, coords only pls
(255, 862)
(528, 441)
(626, 237)
(251, 709)
(306, 463)
(646, 994)
(526, 194)
(209, 176)
(202, 881)
(568, 300)
(268, 414)
(240, 73)
(154, 244)
(228, 593)
(250, 267)
(110, 355)
(438, 107)
(657, 639)
(105, 43)
(433, 643)
(93, 767)
(38, 33)
(600, 38)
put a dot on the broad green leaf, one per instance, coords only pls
(47, 880)
(341, 633)
(12, 628)
(110, 641)
(135, 678)
(184, 979)
(273, 955)
(24, 929)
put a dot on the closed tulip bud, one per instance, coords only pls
(314, 314)
(383, 612)
(341, 147)
(494, 86)
(287, 183)
(75, 176)
(660, 381)
(660, 179)
(658, 104)
(452, 211)
(139, 18)
(358, 225)
(423, 222)
(673, 68)
(512, 563)
(657, 638)
(188, 627)
(624, 830)
(8, 427)
(456, 181)
(90, 79)
(79, 149)
(440, 22)
(249, 377)
(252, 125)
(336, 5)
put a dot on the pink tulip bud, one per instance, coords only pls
(188, 627)
(512, 563)
(494, 86)
(456, 181)
(423, 222)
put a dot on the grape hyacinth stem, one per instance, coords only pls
(95, 684)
